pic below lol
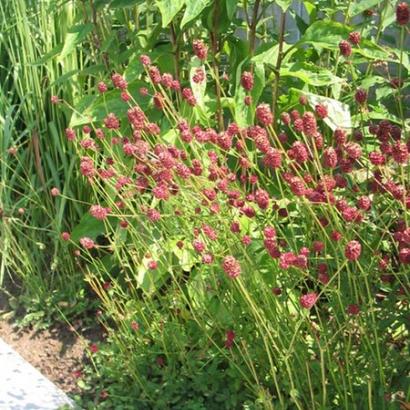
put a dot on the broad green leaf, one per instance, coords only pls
(75, 36)
(169, 9)
(186, 255)
(405, 58)
(193, 10)
(237, 49)
(385, 91)
(389, 16)
(231, 6)
(91, 109)
(150, 280)
(362, 5)
(170, 136)
(244, 114)
(148, 37)
(372, 51)
(338, 113)
(326, 33)
(267, 54)
(88, 226)
(311, 74)
(380, 112)
(310, 9)
(372, 80)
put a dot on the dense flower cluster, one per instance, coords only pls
(293, 192)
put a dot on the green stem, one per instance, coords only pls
(275, 88)
(215, 50)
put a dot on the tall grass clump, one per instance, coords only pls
(34, 155)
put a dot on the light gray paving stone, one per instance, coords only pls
(22, 387)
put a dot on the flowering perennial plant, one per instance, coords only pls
(287, 207)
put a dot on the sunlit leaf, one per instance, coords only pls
(75, 36)
(169, 10)
(338, 113)
(193, 10)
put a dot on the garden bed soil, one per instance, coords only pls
(58, 352)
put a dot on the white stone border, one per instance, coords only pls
(22, 387)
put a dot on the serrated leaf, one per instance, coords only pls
(75, 36)
(193, 9)
(169, 10)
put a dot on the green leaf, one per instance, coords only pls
(231, 6)
(338, 113)
(198, 89)
(237, 50)
(362, 5)
(389, 16)
(149, 280)
(193, 10)
(373, 51)
(284, 4)
(48, 56)
(244, 115)
(310, 74)
(382, 92)
(326, 33)
(75, 36)
(267, 54)
(95, 108)
(371, 81)
(149, 37)
(126, 3)
(88, 226)
(169, 9)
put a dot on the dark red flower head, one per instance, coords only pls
(353, 250)
(345, 48)
(354, 37)
(247, 80)
(200, 49)
(308, 301)
(402, 13)
(360, 96)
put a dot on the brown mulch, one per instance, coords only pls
(58, 352)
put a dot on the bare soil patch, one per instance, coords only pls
(59, 352)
